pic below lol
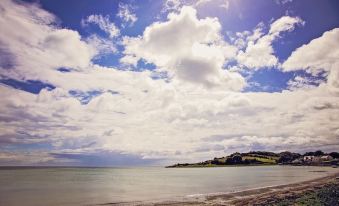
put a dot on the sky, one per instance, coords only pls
(156, 82)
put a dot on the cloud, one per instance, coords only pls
(176, 5)
(101, 45)
(333, 79)
(24, 158)
(319, 55)
(210, 147)
(202, 2)
(304, 82)
(172, 5)
(220, 3)
(225, 4)
(283, 24)
(104, 158)
(176, 118)
(92, 112)
(126, 14)
(66, 46)
(283, 2)
(104, 24)
(259, 51)
(187, 48)
(36, 48)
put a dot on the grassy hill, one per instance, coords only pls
(256, 158)
(251, 158)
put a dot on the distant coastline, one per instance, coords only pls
(259, 158)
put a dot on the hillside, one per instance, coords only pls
(265, 158)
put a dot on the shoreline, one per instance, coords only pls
(259, 196)
(239, 165)
(256, 196)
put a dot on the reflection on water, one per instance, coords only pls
(83, 186)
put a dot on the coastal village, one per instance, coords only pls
(314, 159)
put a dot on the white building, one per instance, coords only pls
(311, 159)
(326, 158)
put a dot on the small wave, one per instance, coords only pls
(195, 195)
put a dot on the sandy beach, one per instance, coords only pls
(275, 195)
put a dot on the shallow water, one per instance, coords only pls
(86, 186)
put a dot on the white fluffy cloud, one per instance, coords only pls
(35, 47)
(66, 47)
(101, 45)
(285, 23)
(319, 55)
(104, 24)
(259, 51)
(187, 48)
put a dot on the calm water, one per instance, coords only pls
(86, 186)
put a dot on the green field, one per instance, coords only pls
(266, 160)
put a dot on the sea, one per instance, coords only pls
(35, 186)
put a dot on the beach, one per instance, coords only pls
(37, 186)
(290, 194)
